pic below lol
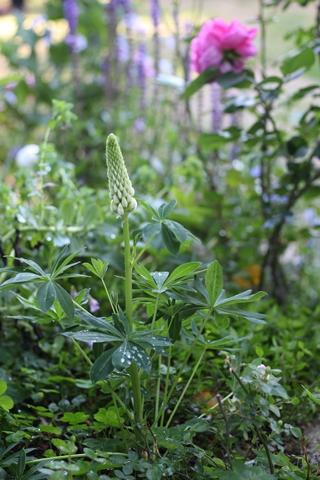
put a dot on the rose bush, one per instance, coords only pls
(226, 47)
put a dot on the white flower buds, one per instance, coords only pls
(120, 187)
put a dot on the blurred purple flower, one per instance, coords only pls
(77, 43)
(166, 67)
(139, 125)
(155, 13)
(255, 172)
(71, 12)
(93, 304)
(123, 50)
(124, 5)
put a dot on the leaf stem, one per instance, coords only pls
(175, 383)
(186, 387)
(135, 260)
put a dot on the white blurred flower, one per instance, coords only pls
(262, 370)
(165, 66)
(27, 156)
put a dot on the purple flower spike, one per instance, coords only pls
(71, 12)
(155, 12)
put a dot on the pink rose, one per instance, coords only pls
(226, 47)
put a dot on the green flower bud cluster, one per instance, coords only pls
(120, 187)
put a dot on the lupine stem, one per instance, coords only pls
(133, 369)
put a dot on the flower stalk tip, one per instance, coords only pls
(120, 187)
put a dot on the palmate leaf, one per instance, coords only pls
(166, 208)
(129, 352)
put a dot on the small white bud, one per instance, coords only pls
(120, 210)
(124, 202)
(114, 207)
(133, 204)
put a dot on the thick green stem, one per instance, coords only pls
(128, 268)
(133, 369)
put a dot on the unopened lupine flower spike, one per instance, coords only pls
(120, 187)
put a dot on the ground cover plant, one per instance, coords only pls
(137, 339)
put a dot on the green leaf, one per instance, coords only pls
(97, 349)
(3, 387)
(46, 296)
(34, 266)
(154, 473)
(108, 417)
(243, 297)
(253, 317)
(6, 403)
(50, 429)
(103, 366)
(311, 395)
(97, 323)
(144, 273)
(150, 230)
(159, 279)
(213, 141)
(21, 463)
(175, 328)
(231, 79)
(129, 352)
(221, 321)
(304, 58)
(147, 206)
(91, 268)
(209, 75)
(88, 336)
(178, 230)
(166, 208)
(58, 269)
(65, 301)
(169, 240)
(74, 418)
(184, 270)
(150, 339)
(214, 281)
(21, 278)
